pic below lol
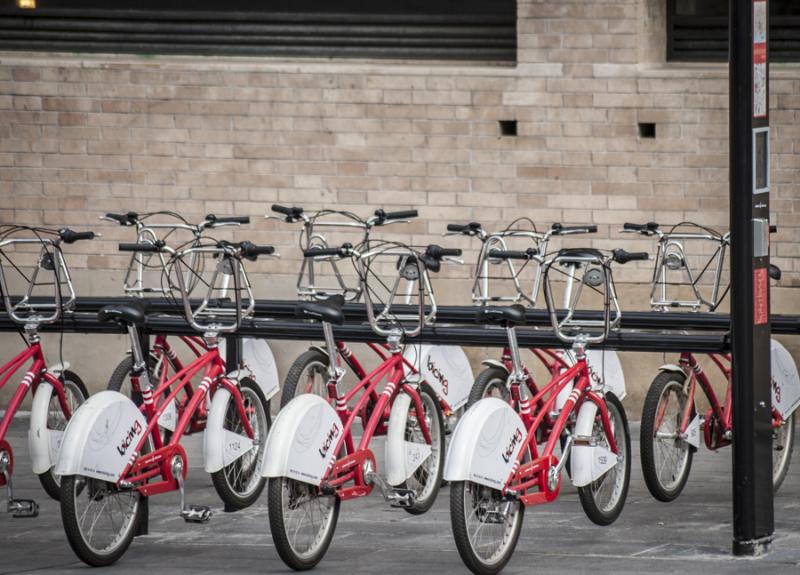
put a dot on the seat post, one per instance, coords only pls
(330, 344)
(139, 362)
(513, 345)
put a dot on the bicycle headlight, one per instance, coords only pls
(594, 277)
(673, 261)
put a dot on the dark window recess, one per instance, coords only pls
(508, 127)
(647, 130)
(479, 30)
(697, 30)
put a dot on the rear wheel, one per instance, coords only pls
(99, 518)
(491, 382)
(782, 445)
(603, 499)
(308, 374)
(486, 526)
(302, 520)
(666, 457)
(427, 479)
(75, 393)
(239, 483)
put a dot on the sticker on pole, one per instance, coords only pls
(785, 380)
(760, 59)
(760, 296)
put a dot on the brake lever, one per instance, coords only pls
(453, 260)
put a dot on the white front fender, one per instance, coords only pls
(302, 441)
(101, 437)
(589, 462)
(221, 446)
(485, 444)
(446, 369)
(403, 457)
(43, 443)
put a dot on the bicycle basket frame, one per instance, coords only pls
(481, 287)
(26, 311)
(671, 260)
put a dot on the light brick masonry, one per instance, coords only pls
(81, 135)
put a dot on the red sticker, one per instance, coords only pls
(760, 296)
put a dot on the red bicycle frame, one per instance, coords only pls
(719, 412)
(158, 462)
(535, 473)
(36, 373)
(350, 467)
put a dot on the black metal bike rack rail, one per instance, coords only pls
(465, 315)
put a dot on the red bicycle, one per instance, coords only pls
(502, 456)
(57, 391)
(113, 453)
(445, 367)
(688, 274)
(312, 461)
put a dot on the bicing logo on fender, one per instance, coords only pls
(326, 445)
(512, 444)
(133, 432)
(437, 373)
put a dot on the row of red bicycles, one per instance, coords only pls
(502, 441)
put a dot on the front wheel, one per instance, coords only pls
(308, 374)
(666, 456)
(603, 499)
(302, 520)
(427, 479)
(486, 526)
(75, 393)
(782, 445)
(99, 518)
(240, 483)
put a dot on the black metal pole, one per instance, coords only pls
(753, 521)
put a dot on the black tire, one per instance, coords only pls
(606, 514)
(422, 481)
(311, 359)
(491, 382)
(72, 488)
(651, 448)
(461, 515)
(49, 480)
(226, 481)
(278, 490)
(782, 446)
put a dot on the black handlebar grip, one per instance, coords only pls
(69, 237)
(775, 272)
(623, 257)
(457, 227)
(252, 251)
(228, 219)
(122, 219)
(438, 252)
(633, 227)
(140, 247)
(313, 252)
(400, 215)
(513, 254)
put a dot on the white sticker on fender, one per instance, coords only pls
(56, 437)
(169, 417)
(591, 466)
(785, 380)
(416, 454)
(693, 431)
(447, 370)
(605, 370)
(235, 446)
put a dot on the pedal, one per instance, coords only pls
(401, 498)
(196, 513)
(189, 513)
(396, 496)
(20, 508)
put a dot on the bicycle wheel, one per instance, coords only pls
(486, 526)
(308, 374)
(427, 479)
(120, 381)
(782, 445)
(239, 483)
(100, 519)
(603, 499)
(666, 458)
(491, 382)
(76, 393)
(302, 521)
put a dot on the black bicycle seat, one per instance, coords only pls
(329, 310)
(507, 316)
(131, 313)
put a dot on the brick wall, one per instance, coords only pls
(80, 135)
